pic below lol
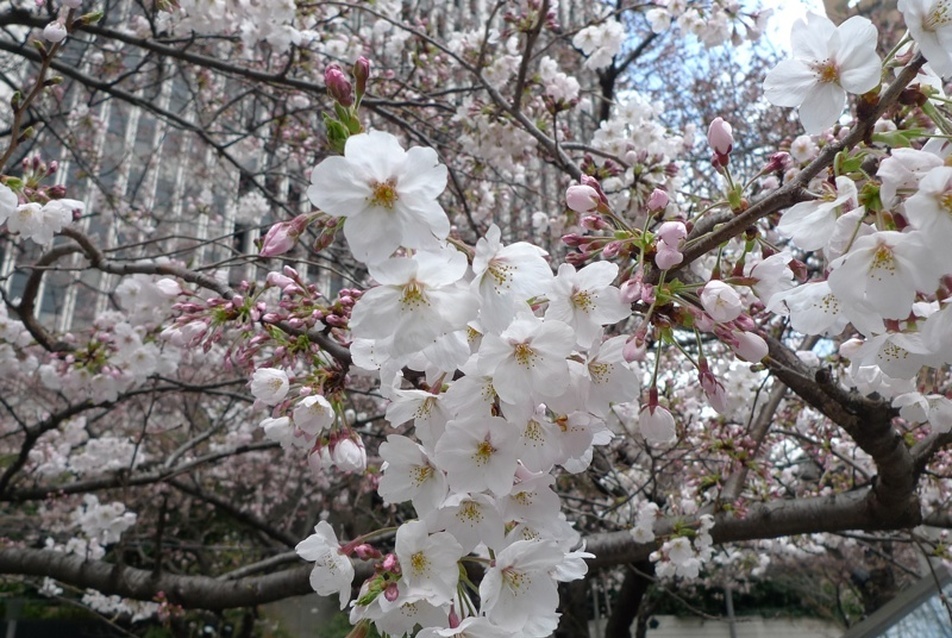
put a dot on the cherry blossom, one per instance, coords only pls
(478, 454)
(828, 61)
(387, 195)
(517, 592)
(428, 562)
(333, 572)
(527, 360)
(930, 23)
(270, 385)
(409, 475)
(883, 271)
(586, 300)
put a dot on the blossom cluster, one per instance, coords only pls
(538, 380)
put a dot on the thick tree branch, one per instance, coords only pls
(847, 511)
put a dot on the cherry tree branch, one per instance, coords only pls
(794, 190)
(839, 512)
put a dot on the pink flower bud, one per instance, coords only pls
(611, 249)
(749, 346)
(338, 86)
(361, 74)
(779, 161)
(667, 257)
(647, 294)
(365, 551)
(572, 240)
(672, 233)
(391, 592)
(720, 136)
(631, 290)
(283, 236)
(391, 564)
(55, 32)
(278, 280)
(744, 322)
(658, 200)
(581, 198)
(594, 222)
(634, 350)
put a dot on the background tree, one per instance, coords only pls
(148, 146)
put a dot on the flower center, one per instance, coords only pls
(883, 260)
(413, 296)
(384, 193)
(524, 354)
(501, 272)
(421, 474)
(469, 512)
(945, 201)
(533, 432)
(940, 16)
(517, 581)
(599, 371)
(419, 563)
(582, 299)
(484, 452)
(827, 72)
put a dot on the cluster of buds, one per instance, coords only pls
(347, 96)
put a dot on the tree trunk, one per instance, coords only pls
(633, 590)
(574, 607)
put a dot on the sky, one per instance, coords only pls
(786, 12)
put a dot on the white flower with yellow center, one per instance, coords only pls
(388, 195)
(586, 300)
(428, 562)
(930, 23)
(883, 271)
(478, 454)
(506, 277)
(416, 302)
(409, 475)
(828, 61)
(527, 361)
(518, 591)
(333, 572)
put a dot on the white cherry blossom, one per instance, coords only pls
(409, 475)
(527, 360)
(388, 195)
(883, 271)
(810, 224)
(586, 300)
(417, 299)
(930, 23)
(506, 277)
(333, 572)
(270, 385)
(478, 454)
(828, 61)
(518, 592)
(721, 301)
(428, 562)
